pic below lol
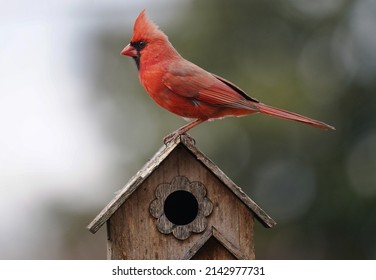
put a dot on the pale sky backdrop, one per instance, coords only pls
(51, 146)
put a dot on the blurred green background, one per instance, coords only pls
(76, 124)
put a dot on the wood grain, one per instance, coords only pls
(132, 228)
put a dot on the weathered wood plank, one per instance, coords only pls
(261, 215)
(154, 162)
(130, 187)
(134, 233)
(133, 227)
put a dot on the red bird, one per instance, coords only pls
(187, 90)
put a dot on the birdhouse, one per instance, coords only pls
(180, 205)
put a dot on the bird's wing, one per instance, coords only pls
(188, 80)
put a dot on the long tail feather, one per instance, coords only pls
(272, 111)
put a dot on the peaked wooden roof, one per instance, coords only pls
(154, 162)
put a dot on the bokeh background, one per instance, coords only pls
(75, 124)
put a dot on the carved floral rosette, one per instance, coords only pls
(204, 207)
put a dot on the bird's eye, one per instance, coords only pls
(139, 45)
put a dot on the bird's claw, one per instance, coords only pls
(171, 137)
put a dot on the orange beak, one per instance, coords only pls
(129, 51)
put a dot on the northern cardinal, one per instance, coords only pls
(187, 90)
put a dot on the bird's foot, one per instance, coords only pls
(177, 133)
(171, 137)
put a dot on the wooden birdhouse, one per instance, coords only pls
(180, 205)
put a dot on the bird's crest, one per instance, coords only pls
(146, 30)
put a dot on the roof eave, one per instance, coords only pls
(154, 162)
